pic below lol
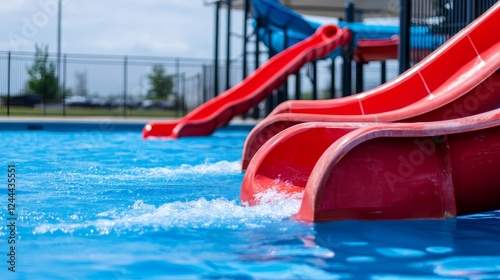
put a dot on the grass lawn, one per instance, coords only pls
(87, 112)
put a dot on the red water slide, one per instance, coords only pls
(424, 170)
(239, 99)
(459, 79)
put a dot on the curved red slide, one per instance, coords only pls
(239, 99)
(448, 83)
(424, 170)
(367, 50)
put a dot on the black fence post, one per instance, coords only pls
(204, 84)
(178, 87)
(270, 100)
(256, 109)
(404, 35)
(347, 55)
(8, 84)
(349, 12)
(246, 11)
(298, 86)
(184, 97)
(228, 46)
(282, 94)
(332, 79)
(245, 34)
(125, 63)
(359, 76)
(383, 72)
(199, 89)
(471, 11)
(216, 55)
(64, 86)
(257, 43)
(315, 80)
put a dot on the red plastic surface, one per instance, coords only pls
(426, 170)
(239, 99)
(376, 49)
(460, 78)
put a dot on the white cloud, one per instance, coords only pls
(154, 27)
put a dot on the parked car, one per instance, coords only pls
(26, 100)
(82, 101)
(152, 104)
(77, 101)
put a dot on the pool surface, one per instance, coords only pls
(101, 203)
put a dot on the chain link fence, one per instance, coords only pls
(106, 85)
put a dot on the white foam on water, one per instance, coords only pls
(200, 213)
(221, 167)
(171, 172)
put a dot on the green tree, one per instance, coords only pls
(43, 80)
(161, 84)
(81, 87)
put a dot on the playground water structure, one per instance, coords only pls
(97, 202)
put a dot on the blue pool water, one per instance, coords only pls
(105, 204)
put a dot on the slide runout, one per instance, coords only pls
(482, 98)
(275, 161)
(409, 171)
(253, 89)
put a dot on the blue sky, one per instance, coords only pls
(173, 28)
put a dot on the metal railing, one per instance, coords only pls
(439, 19)
(107, 85)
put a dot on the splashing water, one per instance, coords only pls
(200, 213)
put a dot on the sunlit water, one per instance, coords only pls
(109, 205)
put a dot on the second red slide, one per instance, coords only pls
(239, 99)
